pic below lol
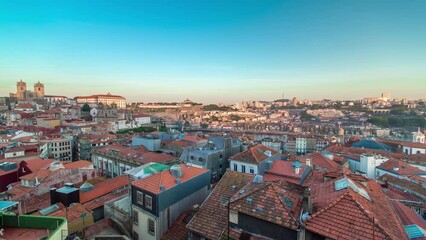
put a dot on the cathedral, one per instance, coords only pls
(22, 94)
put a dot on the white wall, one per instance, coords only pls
(240, 167)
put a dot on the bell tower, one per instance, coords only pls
(21, 88)
(39, 90)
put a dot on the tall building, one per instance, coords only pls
(21, 88)
(39, 90)
(22, 94)
(386, 96)
(106, 99)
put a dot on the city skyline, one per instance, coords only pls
(217, 51)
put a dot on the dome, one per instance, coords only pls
(176, 171)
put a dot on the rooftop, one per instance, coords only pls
(211, 219)
(165, 180)
(255, 154)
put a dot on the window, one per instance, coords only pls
(148, 202)
(135, 218)
(135, 236)
(252, 170)
(139, 198)
(243, 168)
(235, 167)
(192, 157)
(151, 227)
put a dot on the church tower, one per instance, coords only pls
(21, 88)
(39, 90)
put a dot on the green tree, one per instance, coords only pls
(85, 108)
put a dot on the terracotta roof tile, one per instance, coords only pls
(404, 184)
(104, 188)
(78, 164)
(269, 202)
(348, 214)
(400, 168)
(178, 229)
(211, 219)
(165, 178)
(255, 154)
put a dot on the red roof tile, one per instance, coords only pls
(100, 201)
(255, 154)
(400, 168)
(36, 164)
(320, 161)
(211, 219)
(166, 179)
(407, 215)
(269, 202)
(78, 164)
(178, 229)
(284, 170)
(351, 214)
(103, 188)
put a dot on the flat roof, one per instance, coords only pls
(67, 189)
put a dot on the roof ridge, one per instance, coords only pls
(376, 223)
(283, 203)
(261, 186)
(332, 204)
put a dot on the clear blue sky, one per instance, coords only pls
(215, 51)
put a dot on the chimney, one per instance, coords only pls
(195, 208)
(308, 162)
(53, 196)
(297, 170)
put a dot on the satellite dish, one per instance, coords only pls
(93, 112)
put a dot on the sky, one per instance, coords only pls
(215, 51)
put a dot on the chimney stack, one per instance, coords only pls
(53, 196)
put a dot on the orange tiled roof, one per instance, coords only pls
(255, 154)
(36, 164)
(407, 215)
(165, 178)
(284, 170)
(318, 160)
(351, 214)
(211, 219)
(104, 188)
(269, 202)
(78, 164)
(178, 229)
(400, 168)
(99, 202)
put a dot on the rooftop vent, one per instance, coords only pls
(249, 199)
(258, 179)
(86, 187)
(176, 171)
(268, 153)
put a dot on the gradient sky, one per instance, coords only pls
(215, 51)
